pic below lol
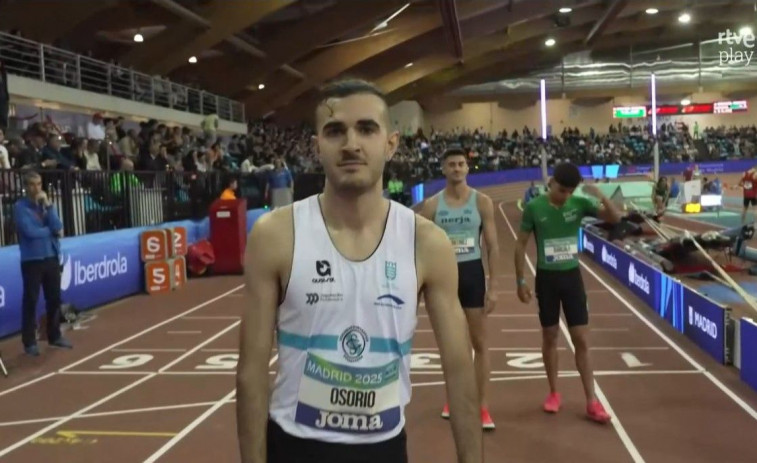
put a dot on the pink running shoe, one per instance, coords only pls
(486, 419)
(596, 412)
(552, 404)
(445, 411)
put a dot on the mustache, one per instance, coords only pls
(348, 156)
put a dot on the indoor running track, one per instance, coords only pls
(152, 379)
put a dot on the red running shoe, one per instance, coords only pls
(445, 411)
(486, 419)
(596, 412)
(552, 404)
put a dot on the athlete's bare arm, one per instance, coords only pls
(438, 279)
(524, 292)
(267, 260)
(428, 209)
(486, 210)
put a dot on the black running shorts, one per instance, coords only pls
(750, 201)
(471, 284)
(285, 448)
(555, 288)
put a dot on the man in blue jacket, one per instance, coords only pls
(38, 228)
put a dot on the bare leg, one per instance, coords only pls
(477, 329)
(549, 355)
(579, 335)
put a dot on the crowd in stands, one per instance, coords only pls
(155, 146)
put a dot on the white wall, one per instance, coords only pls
(407, 116)
(561, 113)
(35, 92)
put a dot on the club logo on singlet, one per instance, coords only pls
(353, 341)
(390, 270)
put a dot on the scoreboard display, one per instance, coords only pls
(719, 107)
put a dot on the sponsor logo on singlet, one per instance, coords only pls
(323, 269)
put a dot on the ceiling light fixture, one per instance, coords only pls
(193, 59)
(138, 38)
(684, 18)
(565, 10)
(261, 86)
(549, 42)
(408, 65)
(652, 11)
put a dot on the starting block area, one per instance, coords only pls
(161, 387)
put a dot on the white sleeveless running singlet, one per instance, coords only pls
(344, 333)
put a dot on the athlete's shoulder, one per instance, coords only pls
(427, 231)
(274, 226)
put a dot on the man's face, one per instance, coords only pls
(353, 141)
(55, 143)
(558, 194)
(455, 168)
(34, 186)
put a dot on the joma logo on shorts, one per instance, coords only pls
(348, 421)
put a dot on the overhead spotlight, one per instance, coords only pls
(408, 65)
(193, 59)
(745, 31)
(685, 102)
(549, 42)
(684, 18)
(565, 10)
(652, 11)
(138, 38)
(261, 86)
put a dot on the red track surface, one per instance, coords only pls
(152, 379)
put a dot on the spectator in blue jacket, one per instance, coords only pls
(38, 228)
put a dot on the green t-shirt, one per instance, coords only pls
(556, 229)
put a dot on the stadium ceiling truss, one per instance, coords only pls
(273, 54)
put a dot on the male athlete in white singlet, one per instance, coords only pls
(338, 276)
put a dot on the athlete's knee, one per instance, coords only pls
(478, 340)
(580, 340)
(549, 336)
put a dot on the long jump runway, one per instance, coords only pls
(152, 379)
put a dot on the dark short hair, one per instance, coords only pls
(453, 150)
(567, 175)
(348, 87)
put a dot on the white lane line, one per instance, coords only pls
(96, 404)
(152, 328)
(184, 332)
(191, 426)
(146, 349)
(624, 437)
(728, 392)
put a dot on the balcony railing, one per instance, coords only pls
(34, 60)
(95, 201)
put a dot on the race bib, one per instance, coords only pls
(560, 249)
(748, 185)
(463, 244)
(348, 399)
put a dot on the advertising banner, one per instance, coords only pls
(95, 269)
(705, 324)
(749, 352)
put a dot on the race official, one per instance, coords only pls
(38, 228)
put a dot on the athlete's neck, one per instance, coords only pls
(353, 211)
(456, 191)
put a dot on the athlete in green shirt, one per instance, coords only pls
(554, 219)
